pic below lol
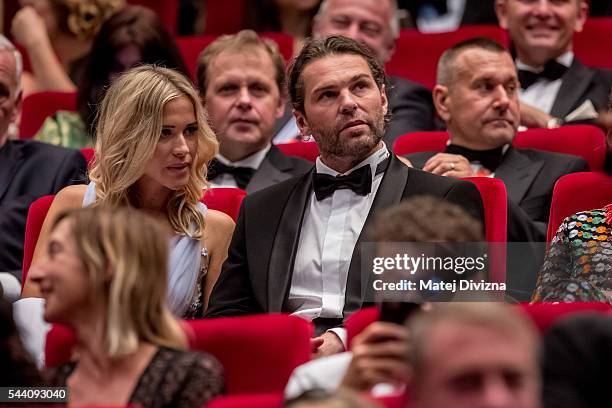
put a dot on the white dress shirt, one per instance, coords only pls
(329, 232)
(253, 161)
(543, 93)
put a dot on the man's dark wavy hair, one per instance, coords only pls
(317, 49)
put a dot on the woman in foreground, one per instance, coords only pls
(104, 275)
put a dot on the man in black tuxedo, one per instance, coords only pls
(555, 87)
(297, 245)
(477, 96)
(28, 170)
(241, 79)
(375, 24)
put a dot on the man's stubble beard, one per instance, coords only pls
(330, 142)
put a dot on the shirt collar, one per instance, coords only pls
(253, 161)
(565, 59)
(373, 160)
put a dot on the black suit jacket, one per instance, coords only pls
(29, 170)
(411, 107)
(577, 356)
(277, 167)
(256, 276)
(579, 84)
(529, 176)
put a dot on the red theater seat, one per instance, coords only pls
(578, 192)
(38, 106)
(224, 16)
(416, 54)
(36, 216)
(584, 141)
(224, 199)
(306, 150)
(588, 142)
(359, 321)
(259, 353)
(591, 46)
(545, 315)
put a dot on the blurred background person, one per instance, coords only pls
(134, 35)
(57, 35)
(471, 355)
(241, 78)
(293, 17)
(104, 275)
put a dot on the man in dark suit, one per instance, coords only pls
(375, 24)
(28, 170)
(297, 245)
(477, 96)
(555, 87)
(241, 81)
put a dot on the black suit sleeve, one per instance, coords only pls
(467, 196)
(72, 170)
(233, 294)
(412, 110)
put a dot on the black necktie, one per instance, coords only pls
(552, 71)
(360, 181)
(490, 159)
(242, 175)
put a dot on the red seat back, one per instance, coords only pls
(420, 142)
(259, 353)
(358, 321)
(191, 47)
(588, 142)
(416, 55)
(225, 17)
(36, 216)
(545, 315)
(306, 150)
(38, 106)
(88, 154)
(224, 199)
(590, 45)
(495, 203)
(578, 192)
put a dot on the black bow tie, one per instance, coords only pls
(552, 71)
(360, 181)
(242, 175)
(489, 159)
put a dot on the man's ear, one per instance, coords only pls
(384, 99)
(501, 10)
(18, 104)
(581, 17)
(441, 100)
(302, 124)
(281, 106)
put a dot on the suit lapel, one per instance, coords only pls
(517, 172)
(10, 157)
(271, 171)
(574, 84)
(390, 192)
(284, 249)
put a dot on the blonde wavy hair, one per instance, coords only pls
(128, 130)
(134, 248)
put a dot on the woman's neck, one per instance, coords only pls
(151, 196)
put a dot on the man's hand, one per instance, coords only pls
(380, 355)
(450, 165)
(327, 344)
(533, 117)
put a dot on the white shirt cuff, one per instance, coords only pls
(10, 286)
(341, 333)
